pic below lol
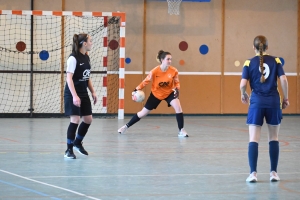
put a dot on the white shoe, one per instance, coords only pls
(123, 129)
(274, 176)
(252, 178)
(182, 133)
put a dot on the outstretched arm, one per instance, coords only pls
(145, 82)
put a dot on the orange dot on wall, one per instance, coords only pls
(181, 62)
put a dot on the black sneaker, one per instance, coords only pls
(80, 149)
(70, 154)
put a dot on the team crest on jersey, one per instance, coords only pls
(266, 71)
(86, 75)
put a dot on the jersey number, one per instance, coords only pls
(266, 71)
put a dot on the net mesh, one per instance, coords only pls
(173, 7)
(32, 78)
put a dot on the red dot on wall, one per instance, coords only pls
(21, 46)
(113, 44)
(183, 46)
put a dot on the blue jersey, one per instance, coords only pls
(263, 95)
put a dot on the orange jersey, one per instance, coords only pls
(162, 82)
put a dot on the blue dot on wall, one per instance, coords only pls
(282, 61)
(203, 49)
(44, 55)
(127, 60)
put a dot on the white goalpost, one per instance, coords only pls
(34, 47)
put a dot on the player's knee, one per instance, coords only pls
(87, 119)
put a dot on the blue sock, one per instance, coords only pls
(274, 154)
(252, 156)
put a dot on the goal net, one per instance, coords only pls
(34, 48)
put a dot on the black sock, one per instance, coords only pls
(71, 133)
(180, 121)
(82, 130)
(133, 120)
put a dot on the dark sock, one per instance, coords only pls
(133, 120)
(71, 132)
(180, 121)
(82, 130)
(274, 154)
(252, 156)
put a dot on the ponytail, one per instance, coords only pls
(261, 63)
(78, 41)
(75, 48)
(261, 44)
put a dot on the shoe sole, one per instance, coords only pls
(183, 136)
(274, 180)
(251, 180)
(79, 151)
(121, 132)
(69, 157)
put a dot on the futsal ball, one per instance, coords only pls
(138, 96)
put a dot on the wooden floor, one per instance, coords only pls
(148, 162)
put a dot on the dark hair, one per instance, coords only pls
(161, 55)
(261, 44)
(78, 41)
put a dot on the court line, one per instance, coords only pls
(30, 190)
(156, 175)
(50, 185)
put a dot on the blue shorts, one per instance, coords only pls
(256, 116)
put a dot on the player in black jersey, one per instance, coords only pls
(77, 101)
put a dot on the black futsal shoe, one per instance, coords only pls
(70, 154)
(80, 149)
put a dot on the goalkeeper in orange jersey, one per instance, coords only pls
(165, 86)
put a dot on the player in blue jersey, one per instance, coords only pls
(77, 101)
(262, 72)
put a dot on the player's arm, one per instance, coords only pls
(91, 88)
(243, 87)
(177, 85)
(244, 81)
(284, 87)
(71, 66)
(76, 99)
(145, 82)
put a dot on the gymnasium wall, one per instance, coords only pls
(209, 81)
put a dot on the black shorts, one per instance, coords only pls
(85, 108)
(153, 102)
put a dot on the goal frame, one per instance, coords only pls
(122, 16)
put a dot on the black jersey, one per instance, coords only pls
(81, 75)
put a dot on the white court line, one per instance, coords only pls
(155, 175)
(29, 179)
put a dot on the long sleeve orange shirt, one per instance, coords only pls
(163, 83)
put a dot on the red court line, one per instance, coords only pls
(9, 140)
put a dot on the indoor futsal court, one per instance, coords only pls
(148, 162)
(210, 43)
